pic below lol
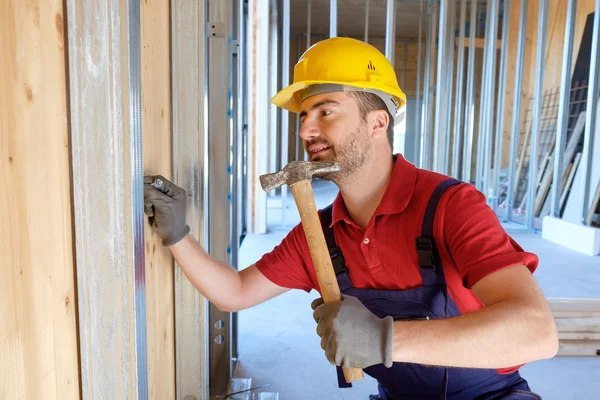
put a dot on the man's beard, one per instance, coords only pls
(352, 154)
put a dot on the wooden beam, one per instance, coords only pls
(258, 104)
(579, 348)
(574, 308)
(479, 43)
(38, 336)
(571, 177)
(156, 123)
(567, 157)
(578, 324)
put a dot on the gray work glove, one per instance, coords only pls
(351, 335)
(165, 204)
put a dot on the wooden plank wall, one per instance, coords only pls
(156, 128)
(38, 336)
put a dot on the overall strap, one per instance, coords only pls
(429, 260)
(341, 272)
(431, 269)
(337, 258)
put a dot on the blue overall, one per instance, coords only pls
(429, 301)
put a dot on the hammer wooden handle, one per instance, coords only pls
(330, 290)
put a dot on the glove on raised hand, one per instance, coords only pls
(351, 335)
(165, 204)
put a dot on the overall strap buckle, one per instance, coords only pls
(426, 252)
(337, 259)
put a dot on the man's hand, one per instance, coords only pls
(165, 204)
(351, 335)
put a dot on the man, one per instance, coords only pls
(451, 317)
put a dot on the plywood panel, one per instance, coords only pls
(38, 337)
(156, 128)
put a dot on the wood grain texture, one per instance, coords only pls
(38, 336)
(258, 104)
(188, 84)
(328, 284)
(156, 129)
(102, 171)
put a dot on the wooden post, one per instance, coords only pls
(38, 336)
(156, 135)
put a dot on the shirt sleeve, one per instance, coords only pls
(285, 265)
(477, 241)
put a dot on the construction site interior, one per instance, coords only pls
(96, 94)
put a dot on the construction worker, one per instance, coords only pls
(442, 307)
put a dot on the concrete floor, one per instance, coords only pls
(278, 344)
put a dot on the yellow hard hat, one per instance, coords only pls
(342, 61)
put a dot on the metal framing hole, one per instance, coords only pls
(219, 339)
(220, 324)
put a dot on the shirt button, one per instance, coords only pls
(366, 241)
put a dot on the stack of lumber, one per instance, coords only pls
(578, 323)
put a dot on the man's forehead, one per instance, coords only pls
(331, 97)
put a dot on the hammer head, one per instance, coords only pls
(296, 171)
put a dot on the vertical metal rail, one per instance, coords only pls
(274, 134)
(390, 31)
(220, 180)
(417, 142)
(332, 18)
(563, 108)
(237, 90)
(470, 100)
(450, 45)
(501, 104)
(483, 104)
(426, 135)
(308, 22)
(488, 133)
(367, 10)
(285, 115)
(516, 121)
(537, 111)
(458, 116)
(137, 187)
(590, 118)
(404, 62)
(188, 77)
(441, 90)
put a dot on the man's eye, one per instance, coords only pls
(325, 113)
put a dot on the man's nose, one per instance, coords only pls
(309, 130)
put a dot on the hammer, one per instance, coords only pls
(298, 175)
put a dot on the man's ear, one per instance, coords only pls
(379, 121)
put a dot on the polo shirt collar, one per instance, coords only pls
(396, 197)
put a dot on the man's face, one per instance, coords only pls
(333, 130)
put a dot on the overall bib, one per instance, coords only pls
(431, 300)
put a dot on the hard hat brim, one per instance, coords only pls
(288, 98)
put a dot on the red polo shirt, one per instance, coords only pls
(384, 256)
